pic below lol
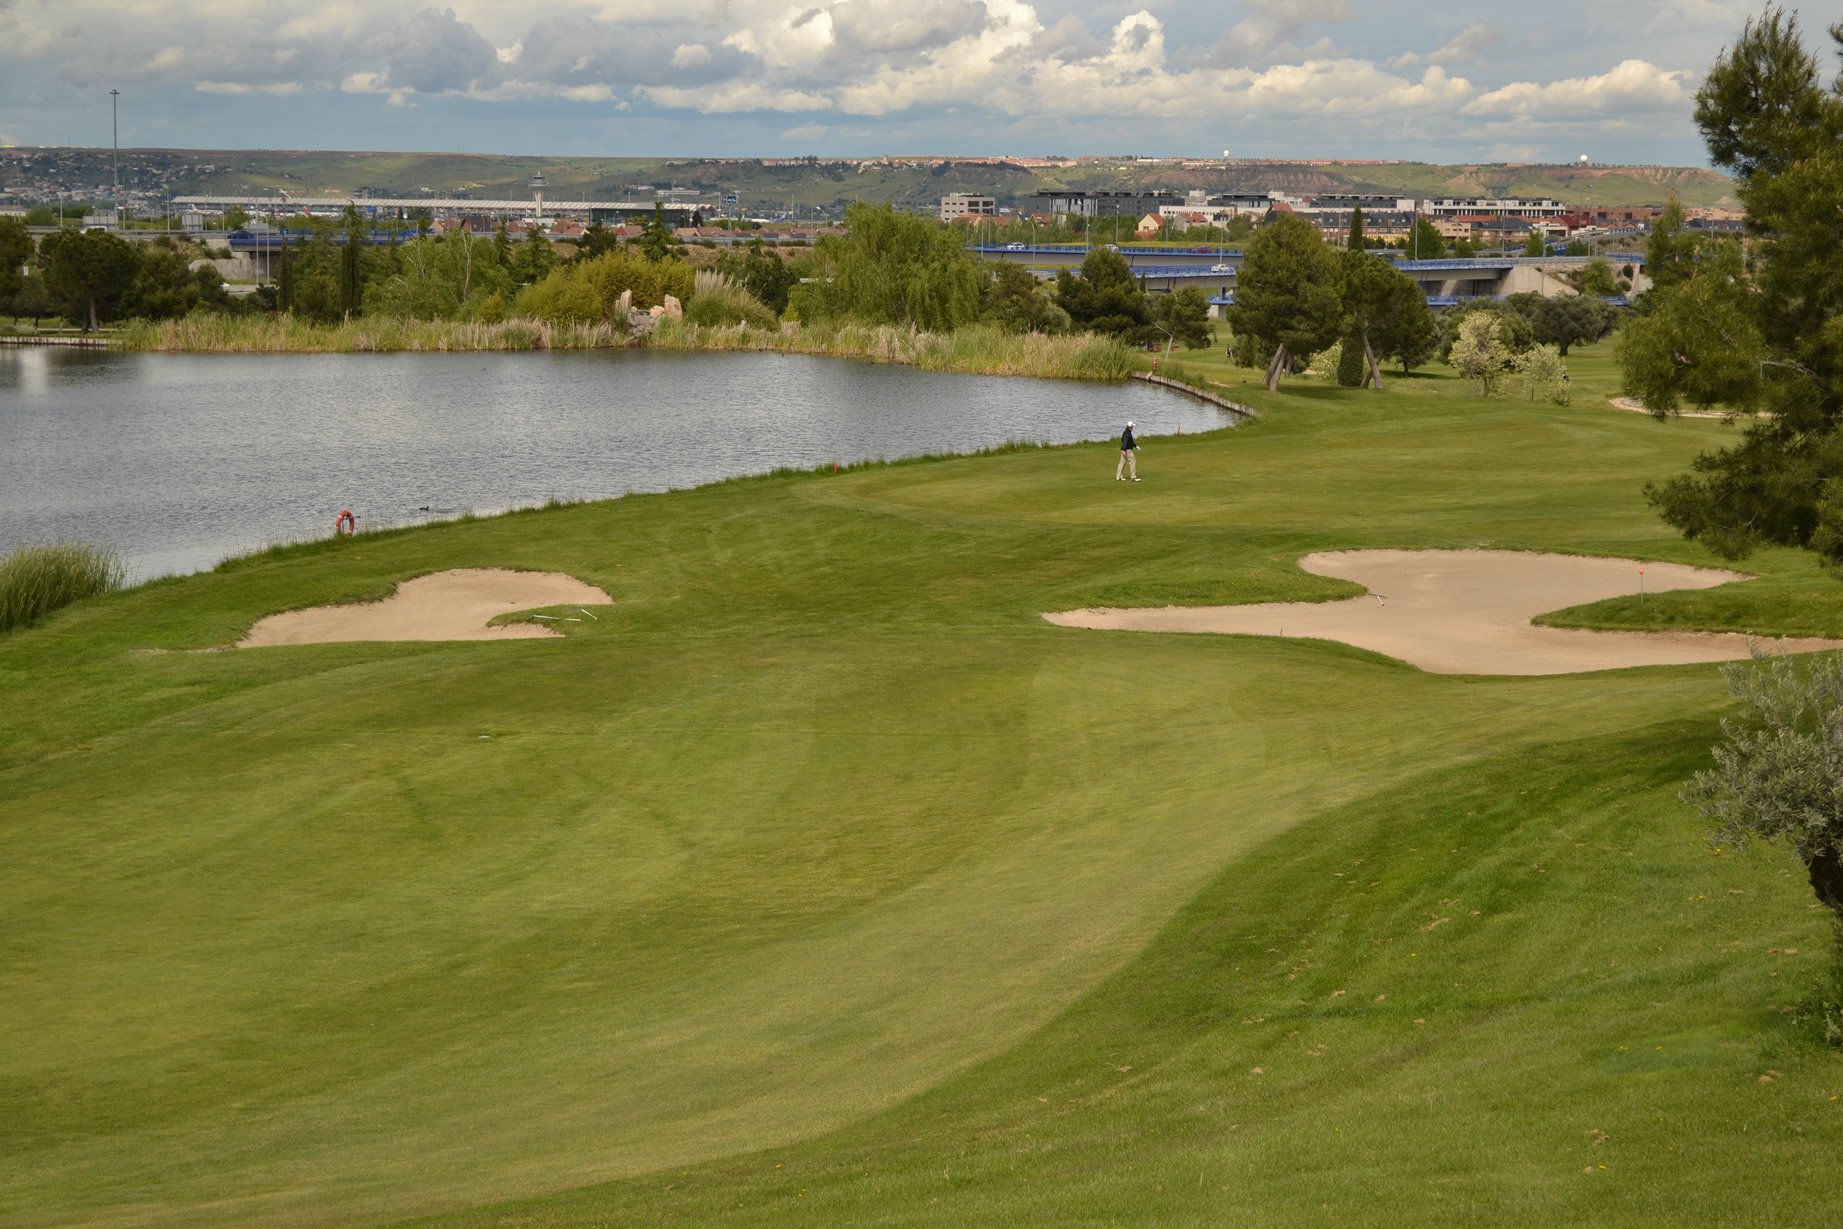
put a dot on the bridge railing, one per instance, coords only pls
(269, 240)
(1082, 249)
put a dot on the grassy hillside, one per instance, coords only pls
(828, 185)
(820, 876)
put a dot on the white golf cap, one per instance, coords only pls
(1129, 422)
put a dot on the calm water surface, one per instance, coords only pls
(180, 460)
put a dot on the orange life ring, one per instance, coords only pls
(345, 523)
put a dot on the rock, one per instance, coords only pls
(673, 308)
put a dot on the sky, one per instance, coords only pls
(1454, 82)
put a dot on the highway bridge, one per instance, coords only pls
(1445, 281)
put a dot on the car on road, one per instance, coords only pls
(1014, 247)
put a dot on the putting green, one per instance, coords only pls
(822, 842)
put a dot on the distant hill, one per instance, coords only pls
(809, 184)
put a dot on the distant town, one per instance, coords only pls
(1136, 197)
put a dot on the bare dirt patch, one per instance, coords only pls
(1467, 612)
(454, 605)
(1635, 406)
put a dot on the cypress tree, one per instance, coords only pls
(1352, 364)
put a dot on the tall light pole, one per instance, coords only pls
(115, 155)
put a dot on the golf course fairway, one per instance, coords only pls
(817, 876)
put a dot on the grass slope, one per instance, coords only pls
(832, 185)
(820, 851)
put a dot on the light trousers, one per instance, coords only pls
(1129, 464)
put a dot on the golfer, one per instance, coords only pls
(1129, 462)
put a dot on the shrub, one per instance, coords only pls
(716, 300)
(36, 580)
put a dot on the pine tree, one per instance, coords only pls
(1760, 329)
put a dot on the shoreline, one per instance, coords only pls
(975, 350)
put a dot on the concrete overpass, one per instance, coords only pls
(1445, 282)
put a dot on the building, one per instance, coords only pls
(1204, 209)
(1528, 209)
(1134, 205)
(1334, 224)
(958, 205)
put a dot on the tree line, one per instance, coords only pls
(91, 277)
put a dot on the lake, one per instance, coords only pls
(178, 461)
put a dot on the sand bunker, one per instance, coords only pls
(1467, 612)
(444, 606)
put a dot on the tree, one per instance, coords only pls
(1778, 774)
(15, 250)
(1354, 361)
(762, 273)
(1565, 321)
(597, 239)
(87, 273)
(31, 300)
(895, 268)
(351, 270)
(536, 258)
(1759, 330)
(165, 286)
(236, 218)
(1181, 317)
(284, 278)
(1287, 294)
(440, 279)
(1387, 314)
(1513, 329)
(1479, 353)
(1104, 297)
(1425, 242)
(1533, 246)
(1543, 375)
(656, 237)
(1596, 277)
(1015, 302)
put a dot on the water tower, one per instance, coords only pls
(537, 191)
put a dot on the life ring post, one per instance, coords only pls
(345, 524)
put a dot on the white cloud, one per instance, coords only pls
(919, 73)
(1271, 25)
(1466, 45)
(279, 89)
(1633, 86)
(736, 97)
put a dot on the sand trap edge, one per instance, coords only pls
(457, 604)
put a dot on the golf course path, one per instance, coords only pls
(453, 605)
(1467, 612)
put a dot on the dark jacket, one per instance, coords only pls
(1126, 440)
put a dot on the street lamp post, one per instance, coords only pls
(115, 155)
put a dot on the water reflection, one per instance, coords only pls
(179, 460)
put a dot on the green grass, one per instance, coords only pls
(821, 877)
(36, 580)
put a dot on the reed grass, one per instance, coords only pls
(975, 350)
(368, 335)
(36, 580)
